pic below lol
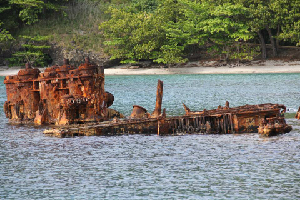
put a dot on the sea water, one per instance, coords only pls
(240, 166)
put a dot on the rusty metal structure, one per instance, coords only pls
(60, 95)
(298, 114)
(266, 119)
(273, 126)
(75, 99)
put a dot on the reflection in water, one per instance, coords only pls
(34, 166)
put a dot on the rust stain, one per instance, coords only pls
(75, 99)
(298, 114)
(61, 95)
(139, 112)
(266, 119)
(159, 96)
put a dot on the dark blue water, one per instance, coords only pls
(245, 166)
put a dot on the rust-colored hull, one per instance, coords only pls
(65, 95)
(61, 95)
(248, 120)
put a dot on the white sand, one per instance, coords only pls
(196, 68)
(206, 70)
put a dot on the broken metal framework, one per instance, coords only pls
(266, 119)
(61, 95)
(65, 96)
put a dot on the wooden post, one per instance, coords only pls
(159, 96)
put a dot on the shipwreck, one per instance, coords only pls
(60, 95)
(74, 99)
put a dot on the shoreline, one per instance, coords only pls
(204, 70)
(268, 67)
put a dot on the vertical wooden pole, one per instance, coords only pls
(159, 96)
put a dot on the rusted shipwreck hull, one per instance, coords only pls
(243, 119)
(61, 95)
(266, 119)
(74, 99)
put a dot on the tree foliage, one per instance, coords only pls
(164, 30)
(163, 33)
(33, 52)
(143, 35)
(222, 26)
(290, 17)
(15, 13)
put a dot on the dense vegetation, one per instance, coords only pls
(17, 13)
(225, 27)
(160, 30)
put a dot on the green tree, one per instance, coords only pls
(4, 35)
(129, 36)
(176, 33)
(145, 5)
(133, 36)
(274, 17)
(163, 35)
(289, 29)
(34, 52)
(15, 13)
(223, 26)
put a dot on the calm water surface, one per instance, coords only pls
(244, 166)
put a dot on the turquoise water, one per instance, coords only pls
(244, 166)
(204, 91)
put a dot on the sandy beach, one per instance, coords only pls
(270, 66)
(194, 68)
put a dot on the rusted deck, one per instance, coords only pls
(226, 121)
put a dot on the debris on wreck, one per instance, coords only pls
(266, 119)
(60, 95)
(273, 126)
(139, 112)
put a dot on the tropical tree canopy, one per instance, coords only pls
(164, 32)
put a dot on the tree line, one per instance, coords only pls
(166, 30)
(163, 30)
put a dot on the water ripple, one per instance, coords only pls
(240, 166)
